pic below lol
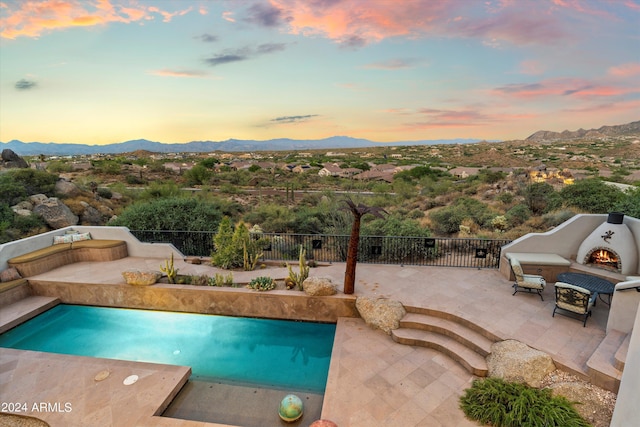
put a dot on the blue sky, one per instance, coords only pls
(105, 71)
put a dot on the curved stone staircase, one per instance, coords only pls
(458, 338)
(469, 345)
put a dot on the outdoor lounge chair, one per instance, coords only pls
(574, 299)
(528, 282)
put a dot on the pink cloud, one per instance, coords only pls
(32, 18)
(178, 73)
(561, 87)
(531, 67)
(625, 70)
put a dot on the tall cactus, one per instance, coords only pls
(299, 278)
(169, 269)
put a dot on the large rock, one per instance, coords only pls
(140, 277)
(318, 286)
(380, 313)
(55, 213)
(66, 189)
(11, 160)
(514, 361)
(90, 215)
(38, 199)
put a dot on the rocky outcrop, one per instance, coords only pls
(319, 286)
(514, 361)
(67, 189)
(90, 215)
(380, 313)
(55, 213)
(11, 160)
(141, 278)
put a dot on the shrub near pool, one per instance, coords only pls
(495, 402)
(262, 283)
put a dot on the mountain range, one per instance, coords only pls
(230, 145)
(284, 144)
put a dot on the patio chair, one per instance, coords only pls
(528, 282)
(575, 300)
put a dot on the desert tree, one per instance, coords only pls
(358, 211)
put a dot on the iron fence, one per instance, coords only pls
(427, 251)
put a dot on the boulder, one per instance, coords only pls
(37, 199)
(11, 160)
(90, 215)
(22, 212)
(141, 277)
(55, 213)
(318, 286)
(514, 361)
(66, 188)
(381, 313)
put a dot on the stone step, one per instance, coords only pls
(20, 311)
(469, 359)
(601, 365)
(621, 354)
(468, 337)
(456, 319)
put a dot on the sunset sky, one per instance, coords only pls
(106, 71)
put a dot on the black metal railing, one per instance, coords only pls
(434, 251)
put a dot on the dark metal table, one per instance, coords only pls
(592, 283)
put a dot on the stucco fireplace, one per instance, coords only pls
(611, 246)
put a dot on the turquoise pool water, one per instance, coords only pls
(269, 353)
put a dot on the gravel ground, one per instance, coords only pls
(595, 404)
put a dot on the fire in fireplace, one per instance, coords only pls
(606, 258)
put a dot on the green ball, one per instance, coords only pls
(290, 408)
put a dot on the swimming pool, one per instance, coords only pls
(263, 352)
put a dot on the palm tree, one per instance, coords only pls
(358, 212)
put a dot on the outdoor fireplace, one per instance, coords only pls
(611, 246)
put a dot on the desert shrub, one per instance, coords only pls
(161, 190)
(174, 213)
(262, 283)
(505, 197)
(541, 197)
(105, 193)
(197, 175)
(553, 219)
(448, 219)
(272, 218)
(630, 204)
(517, 215)
(32, 182)
(591, 195)
(221, 280)
(202, 280)
(498, 403)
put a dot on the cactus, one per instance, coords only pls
(299, 278)
(250, 260)
(169, 269)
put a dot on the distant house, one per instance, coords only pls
(330, 169)
(375, 175)
(177, 167)
(464, 172)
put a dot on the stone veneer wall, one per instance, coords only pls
(291, 305)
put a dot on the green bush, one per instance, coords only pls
(174, 213)
(31, 181)
(517, 215)
(630, 204)
(541, 197)
(592, 195)
(498, 403)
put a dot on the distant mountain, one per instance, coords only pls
(632, 128)
(230, 145)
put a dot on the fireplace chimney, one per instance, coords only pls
(615, 218)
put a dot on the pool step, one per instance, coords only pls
(603, 366)
(20, 311)
(459, 339)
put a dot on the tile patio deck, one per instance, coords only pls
(372, 381)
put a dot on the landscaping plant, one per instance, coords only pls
(262, 283)
(297, 279)
(499, 403)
